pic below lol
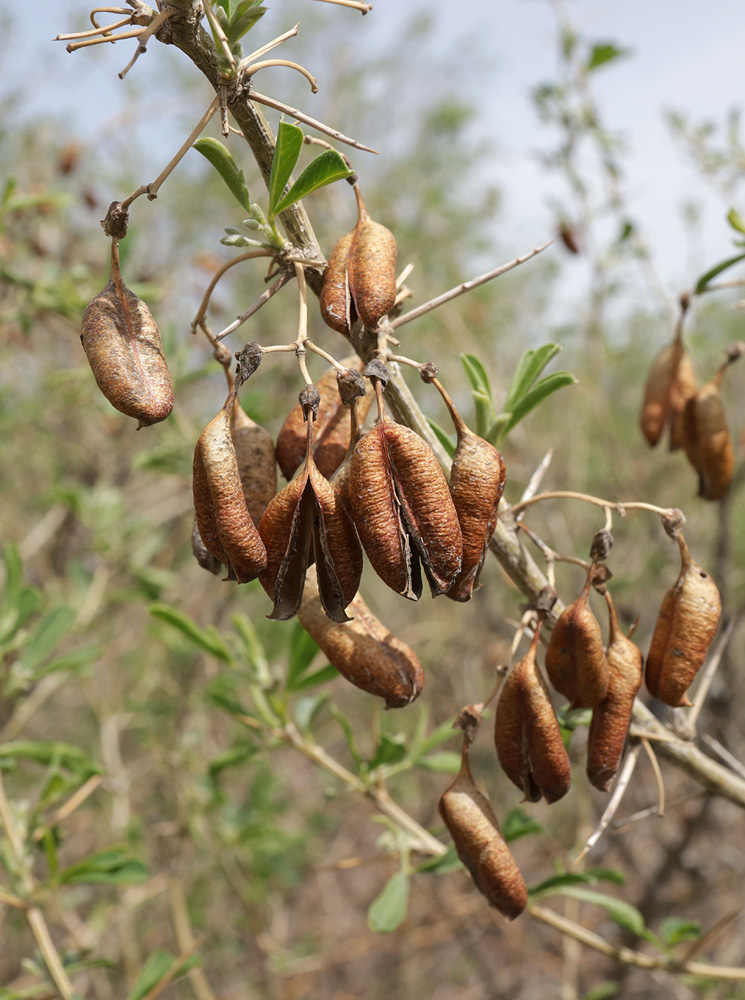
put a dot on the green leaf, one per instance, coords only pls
(61, 755)
(18, 602)
(607, 875)
(447, 862)
(675, 930)
(286, 153)
(221, 159)
(243, 18)
(529, 367)
(484, 412)
(388, 911)
(113, 866)
(236, 756)
(477, 374)
(75, 660)
(303, 649)
(603, 991)
(550, 885)
(327, 673)
(704, 280)
(208, 639)
(622, 913)
(349, 736)
(518, 824)
(445, 762)
(604, 52)
(390, 750)
(159, 964)
(437, 737)
(540, 391)
(736, 221)
(447, 442)
(45, 638)
(307, 708)
(325, 169)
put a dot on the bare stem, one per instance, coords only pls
(74, 46)
(248, 255)
(619, 506)
(467, 286)
(262, 300)
(257, 53)
(355, 4)
(622, 783)
(90, 32)
(315, 349)
(307, 120)
(145, 37)
(224, 43)
(255, 67)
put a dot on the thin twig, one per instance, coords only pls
(262, 300)
(248, 255)
(627, 822)
(536, 479)
(707, 676)
(619, 506)
(467, 286)
(658, 776)
(74, 46)
(89, 32)
(619, 790)
(258, 53)
(224, 43)
(145, 37)
(723, 754)
(315, 349)
(307, 120)
(302, 324)
(255, 67)
(364, 8)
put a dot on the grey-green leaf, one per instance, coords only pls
(207, 639)
(540, 391)
(325, 169)
(604, 52)
(113, 866)
(676, 930)
(303, 649)
(518, 824)
(622, 913)
(704, 280)
(388, 911)
(529, 367)
(45, 638)
(159, 967)
(447, 442)
(221, 159)
(243, 18)
(736, 221)
(286, 153)
(477, 374)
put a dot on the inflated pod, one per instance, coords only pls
(527, 735)
(477, 479)
(223, 521)
(707, 440)
(307, 522)
(371, 269)
(403, 510)
(683, 387)
(254, 451)
(337, 308)
(363, 650)
(201, 553)
(122, 343)
(471, 822)
(612, 717)
(291, 440)
(656, 403)
(686, 625)
(334, 440)
(575, 660)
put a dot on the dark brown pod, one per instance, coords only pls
(223, 521)
(527, 735)
(403, 510)
(122, 343)
(575, 661)
(371, 268)
(308, 520)
(362, 649)
(332, 417)
(254, 451)
(477, 481)
(686, 625)
(471, 822)
(611, 719)
(707, 440)
(337, 308)
(683, 387)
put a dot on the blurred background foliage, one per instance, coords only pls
(131, 674)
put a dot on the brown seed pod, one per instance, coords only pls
(683, 387)
(371, 267)
(403, 510)
(122, 343)
(575, 661)
(707, 440)
(202, 555)
(527, 735)
(471, 822)
(254, 451)
(611, 719)
(223, 521)
(477, 481)
(656, 403)
(308, 520)
(334, 439)
(686, 625)
(332, 417)
(362, 649)
(337, 308)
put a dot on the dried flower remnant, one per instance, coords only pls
(527, 735)
(363, 650)
(223, 520)
(473, 825)
(307, 521)
(611, 719)
(122, 343)
(257, 466)
(575, 661)
(403, 510)
(686, 625)
(477, 481)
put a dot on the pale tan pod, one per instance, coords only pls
(693, 608)
(222, 516)
(575, 659)
(656, 402)
(473, 825)
(254, 451)
(122, 343)
(337, 309)
(612, 717)
(683, 387)
(707, 440)
(371, 270)
(363, 650)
